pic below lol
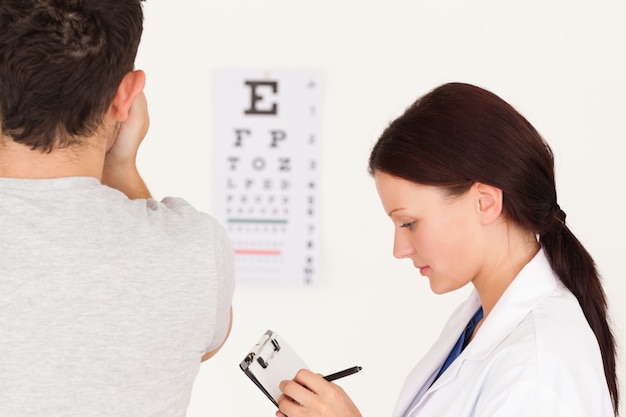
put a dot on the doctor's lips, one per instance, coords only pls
(423, 269)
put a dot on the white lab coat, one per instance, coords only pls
(534, 356)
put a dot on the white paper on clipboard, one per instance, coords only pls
(270, 362)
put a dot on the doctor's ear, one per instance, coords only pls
(489, 202)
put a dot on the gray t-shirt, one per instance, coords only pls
(106, 304)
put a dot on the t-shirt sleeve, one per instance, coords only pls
(220, 264)
(224, 261)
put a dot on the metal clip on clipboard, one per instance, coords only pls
(269, 362)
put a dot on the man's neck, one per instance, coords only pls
(19, 161)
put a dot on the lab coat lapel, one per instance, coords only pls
(425, 371)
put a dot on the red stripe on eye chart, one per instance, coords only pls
(258, 252)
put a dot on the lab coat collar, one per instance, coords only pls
(534, 282)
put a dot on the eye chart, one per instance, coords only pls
(266, 149)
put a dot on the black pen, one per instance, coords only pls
(343, 373)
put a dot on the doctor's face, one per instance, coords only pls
(438, 232)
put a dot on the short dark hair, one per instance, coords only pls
(459, 134)
(61, 63)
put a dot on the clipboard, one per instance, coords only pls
(270, 362)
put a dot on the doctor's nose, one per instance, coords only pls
(402, 247)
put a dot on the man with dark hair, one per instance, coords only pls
(109, 299)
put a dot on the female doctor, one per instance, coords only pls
(469, 186)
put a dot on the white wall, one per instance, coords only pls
(561, 63)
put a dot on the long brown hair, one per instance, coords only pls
(459, 134)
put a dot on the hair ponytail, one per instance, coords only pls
(577, 270)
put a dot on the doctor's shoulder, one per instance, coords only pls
(549, 365)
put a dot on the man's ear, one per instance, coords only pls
(489, 202)
(132, 85)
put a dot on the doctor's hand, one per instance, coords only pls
(310, 395)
